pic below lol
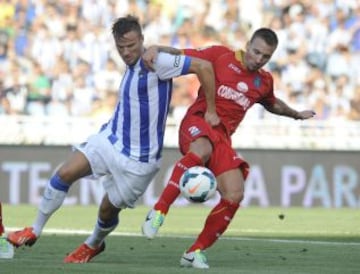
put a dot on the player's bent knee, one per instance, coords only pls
(202, 147)
(233, 197)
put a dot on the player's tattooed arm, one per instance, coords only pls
(170, 50)
(149, 56)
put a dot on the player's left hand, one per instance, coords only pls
(212, 118)
(305, 114)
(149, 57)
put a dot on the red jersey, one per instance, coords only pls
(237, 89)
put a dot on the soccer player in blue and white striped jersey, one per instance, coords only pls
(126, 152)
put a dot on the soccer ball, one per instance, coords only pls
(198, 184)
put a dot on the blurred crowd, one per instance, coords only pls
(57, 58)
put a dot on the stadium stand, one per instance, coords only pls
(59, 69)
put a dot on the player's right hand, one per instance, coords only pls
(212, 118)
(149, 57)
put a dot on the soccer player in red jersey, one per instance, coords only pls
(240, 83)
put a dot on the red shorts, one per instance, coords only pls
(223, 157)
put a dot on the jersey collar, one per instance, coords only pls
(239, 55)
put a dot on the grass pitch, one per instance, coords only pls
(259, 240)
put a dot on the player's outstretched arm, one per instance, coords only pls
(281, 108)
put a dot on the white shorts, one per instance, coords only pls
(125, 179)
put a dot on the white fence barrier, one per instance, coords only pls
(281, 133)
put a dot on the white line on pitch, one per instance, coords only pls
(115, 233)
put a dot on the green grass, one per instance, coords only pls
(257, 241)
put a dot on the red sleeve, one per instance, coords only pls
(208, 53)
(269, 99)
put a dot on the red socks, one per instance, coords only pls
(219, 218)
(171, 191)
(215, 225)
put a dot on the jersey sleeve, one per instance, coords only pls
(168, 65)
(210, 53)
(269, 99)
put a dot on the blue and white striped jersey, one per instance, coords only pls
(137, 126)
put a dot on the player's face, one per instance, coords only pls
(130, 47)
(257, 54)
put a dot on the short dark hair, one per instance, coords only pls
(126, 24)
(268, 35)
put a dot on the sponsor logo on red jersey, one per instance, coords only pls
(243, 87)
(231, 94)
(193, 130)
(234, 68)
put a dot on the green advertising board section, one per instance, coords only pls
(284, 178)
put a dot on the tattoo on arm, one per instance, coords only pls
(169, 50)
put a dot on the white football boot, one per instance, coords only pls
(195, 259)
(153, 221)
